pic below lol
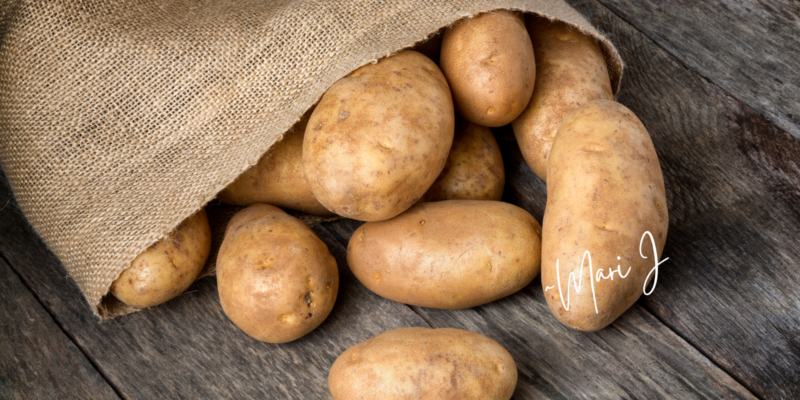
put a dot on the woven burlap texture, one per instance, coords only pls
(121, 119)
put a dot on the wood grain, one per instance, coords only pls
(187, 348)
(751, 49)
(637, 357)
(731, 285)
(37, 360)
(730, 288)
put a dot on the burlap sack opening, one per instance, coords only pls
(121, 119)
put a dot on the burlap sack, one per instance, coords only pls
(121, 119)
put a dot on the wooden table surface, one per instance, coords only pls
(717, 84)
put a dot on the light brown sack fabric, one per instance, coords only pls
(121, 119)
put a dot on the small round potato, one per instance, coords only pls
(277, 281)
(379, 137)
(604, 191)
(489, 62)
(423, 363)
(474, 168)
(278, 177)
(570, 71)
(449, 254)
(167, 268)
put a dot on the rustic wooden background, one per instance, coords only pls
(717, 84)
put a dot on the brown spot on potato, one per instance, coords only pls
(383, 136)
(424, 363)
(265, 304)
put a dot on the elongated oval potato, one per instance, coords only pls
(278, 177)
(604, 191)
(449, 254)
(570, 71)
(474, 168)
(489, 62)
(379, 137)
(277, 281)
(423, 363)
(167, 268)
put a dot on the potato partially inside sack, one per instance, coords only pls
(379, 137)
(489, 62)
(167, 268)
(571, 71)
(276, 279)
(278, 177)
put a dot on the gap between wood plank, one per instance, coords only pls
(645, 309)
(699, 350)
(86, 354)
(712, 83)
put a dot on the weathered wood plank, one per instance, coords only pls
(731, 285)
(37, 360)
(637, 357)
(751, 49)
(187, 348)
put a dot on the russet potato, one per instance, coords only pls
(277, 281)
(604, 191)
(489, 62)
(570, 71)
(423, 363)
(167, 268)
(474, 168)
(278, 178)
(379, 137)
(449, 254)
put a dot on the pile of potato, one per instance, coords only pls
(405, 145)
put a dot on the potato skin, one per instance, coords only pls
(167, 268)
(423, 363)
(449, 254)
(474, 169)
(489, 62)
(605, 189)
(278, 177)
(379, 137)
(277, 281)
(570, 71)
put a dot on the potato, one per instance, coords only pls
(422, 363)
(167, 268)
(379, 137)
(489, 62)
(474, 168)
(278, 177)
(449, 254)
(277, 281)
(570, 71)
(604, 191)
